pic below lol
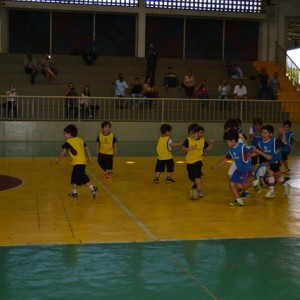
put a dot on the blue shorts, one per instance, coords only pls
(240, 176)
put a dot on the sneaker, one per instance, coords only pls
(269, 194)
(109, 175)
(200, 193)
(286, 171)
(94, 191)
(73, 195)
(236, 203)
(287, 189)
(170, 180)
(156, 180)
(244, 194)
(258, 186)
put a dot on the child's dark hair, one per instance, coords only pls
(71, 129)
(268, 127)
(193, 128)
(164, 128)
(105, 123)
(257, 121)
(231, 134)
(287, 122)
(239, 121)
(231, 123)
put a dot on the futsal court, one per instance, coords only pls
(138, 239)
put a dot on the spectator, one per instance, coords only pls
(263, 83)
(136, 92)
(224, 93)
(202, 93)
(90, 50)
(171, 79)
(229, 69)
(30, 67)
(120, 90)
(48, 69)
(151, 63)
(71, 104)
(274, 86)
(148, 91)
(189, 83)
(11, 102)
(239, 93)
(85, 103)
(238, 74)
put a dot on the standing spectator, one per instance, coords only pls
(11, 102)
(229, 69)
(120, 90)
(70, 103)
(263, 83)
(85, 103)
(274, 86)
(224, 92)
(90, 50)
(151, 63)
(171, 79)
(189, 83)
(239, 93)
(48, 68)
(30, 67)
(136, 92)
(202, 93)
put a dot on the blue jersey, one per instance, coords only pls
(271, 147)
(289, 141)
(241, 156)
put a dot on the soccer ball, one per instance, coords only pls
(193, 194)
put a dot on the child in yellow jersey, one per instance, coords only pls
(194, 147)
(106, 148)
(77, 149)
(164, 151)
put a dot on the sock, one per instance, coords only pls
(74, 191)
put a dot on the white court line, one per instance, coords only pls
(119, 202)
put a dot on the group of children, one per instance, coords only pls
(267, 151)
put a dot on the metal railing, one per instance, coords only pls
(36, 108)
(287, 64)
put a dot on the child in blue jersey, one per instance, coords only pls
(255, 137)
(194, 146)
(241, 154)
(290, 144)
(106, 148)
(164, 151)
(78, 151)
(271, 146)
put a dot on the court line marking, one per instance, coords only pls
(123, 206)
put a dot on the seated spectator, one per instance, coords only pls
(85, 103)
(202, 93)
(224, 93)
(239, 93)
(189, 83)
(11, 105)
(238, 74)
(71, 105)
(171, 79)
(263, 83)
(137, 92)
(274, 86)
(48, 68)
(229, 69)
(148, 91)
(30, 67)
(89, 51)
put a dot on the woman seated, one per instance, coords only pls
(148, 91)
(189, 83)
(85, 103)
(202, 93)
(48, 69)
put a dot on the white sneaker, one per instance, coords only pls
(287, 189)
(269, 194)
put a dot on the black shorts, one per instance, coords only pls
(161, 164)
(194, 170)
(105, 161)
(284, 155)
(275, 167)
(78, 175)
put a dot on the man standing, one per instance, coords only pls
(151, 63)
(89, 52)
